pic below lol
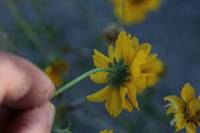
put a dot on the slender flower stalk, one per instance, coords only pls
(78, 79)
(23, 24)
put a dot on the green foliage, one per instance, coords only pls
(66, 130)
(62, 131)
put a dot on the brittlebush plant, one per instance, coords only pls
(128, 69)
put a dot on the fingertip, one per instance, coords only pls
(38, 120)
(41, 90)
(23, 85)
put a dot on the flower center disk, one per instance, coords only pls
(192, 118)
(120, 73)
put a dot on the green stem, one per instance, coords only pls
(78, 79)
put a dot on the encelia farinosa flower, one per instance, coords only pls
(106, 131)
(56, 69)
(132, 69)
(134, 11)
(186, 109)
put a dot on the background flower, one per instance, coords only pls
(186, 110)
(56, 70)
(134, 11)
(106, 131)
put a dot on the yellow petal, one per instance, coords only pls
(156, 66)
(124, 47)
(146, 47)
(132, 15)
(111, 52)
(135, 43)
(171, 109)
(100, 96)
(176, 102)
(152, 80)
(129, 106)
(190, 128)
(54, 75)
(125, 103)
(140, 58)
(180, 121)
(132, 95)
(153, 4)
(187, 93)
(194, 106)
(106, 131)
(151, 58)
(135, 70)
(140, 83)
(100, 60)
(119, 45)
(99, 77)
(123, 91)
(114, 103)
(128, 52)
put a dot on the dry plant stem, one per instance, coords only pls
(22, 23)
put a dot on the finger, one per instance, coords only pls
(38, 120)
(22, 84)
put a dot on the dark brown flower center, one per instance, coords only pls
(192, 118)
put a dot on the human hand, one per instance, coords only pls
(24, 97)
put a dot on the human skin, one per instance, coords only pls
(25, 93)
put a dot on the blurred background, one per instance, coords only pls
(62, 34)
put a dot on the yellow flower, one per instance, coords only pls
(186, 109)
(134, 11)
(133, 69)
(106, 131)
(56, 70)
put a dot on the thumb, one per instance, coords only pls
(38, 120)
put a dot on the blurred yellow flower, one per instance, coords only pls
(134, 11)
(106, 131)
(186, 109)
(133, 69)
(56, 70)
